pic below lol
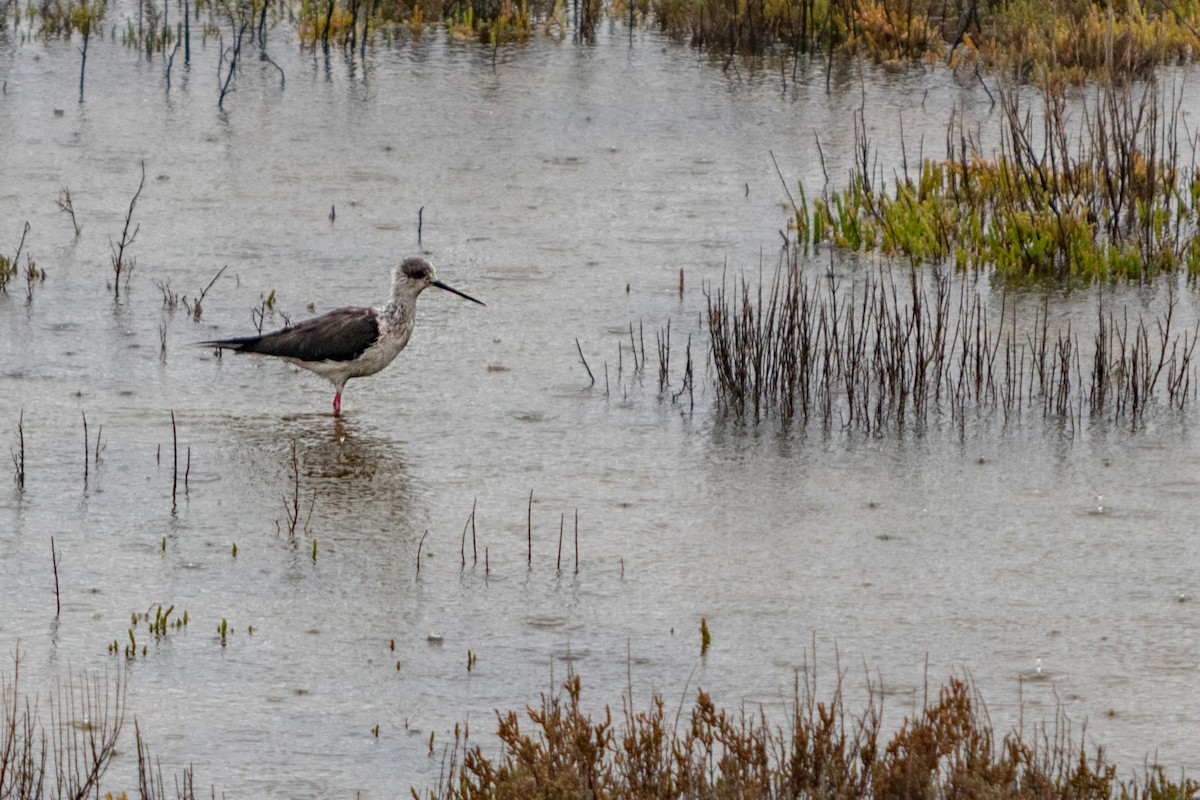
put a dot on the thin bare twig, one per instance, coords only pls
(119, 264)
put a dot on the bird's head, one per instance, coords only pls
(415, 274)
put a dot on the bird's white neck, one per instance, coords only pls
(402, 306)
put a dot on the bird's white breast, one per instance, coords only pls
(394, 334)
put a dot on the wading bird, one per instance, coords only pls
(349, 342)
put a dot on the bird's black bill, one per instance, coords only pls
(452, 290)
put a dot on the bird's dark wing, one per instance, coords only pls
(340, 335)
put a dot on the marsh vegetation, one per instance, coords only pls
(902, 349)
(945, 746)
(969, 364)
(1066, 41)
(1102, 187)
(65, 745)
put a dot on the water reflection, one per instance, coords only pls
(358, 466)
(346, 466)
(52, 655)
(341, 503)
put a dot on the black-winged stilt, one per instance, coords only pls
(350, 342)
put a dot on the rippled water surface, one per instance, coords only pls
(566, 187)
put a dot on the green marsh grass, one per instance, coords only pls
(1116, 196)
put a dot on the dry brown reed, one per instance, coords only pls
(150, 778)
(67, 753)
(946, 749)
(69, 759)
(1074, 39)
(900, 347)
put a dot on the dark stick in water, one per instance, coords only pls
(54, 562)
(175, 461)
(591, 377)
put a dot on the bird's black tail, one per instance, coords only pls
(244, 344)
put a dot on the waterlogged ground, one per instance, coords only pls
(565, 186)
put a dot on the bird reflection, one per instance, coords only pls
(353, 470)
(348, 453)
(346, 468)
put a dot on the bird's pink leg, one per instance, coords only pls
(337, 403)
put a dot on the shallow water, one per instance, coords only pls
(566, 187)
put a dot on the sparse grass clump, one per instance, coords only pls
(62, 18)
(8, 271)
(901, 348)
(507, 23)
(946, 749)
(8, 266)
(159, 626)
